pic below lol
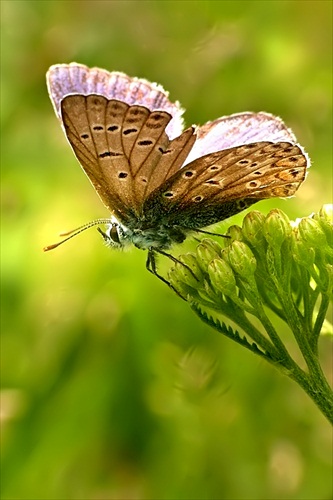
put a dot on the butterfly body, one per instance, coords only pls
(161, 183)
(159, 236)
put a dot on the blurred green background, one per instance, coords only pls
(111, 387)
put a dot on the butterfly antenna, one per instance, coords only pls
(75, 232)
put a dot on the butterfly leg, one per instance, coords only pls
(212, 234)
(171, 257)
(152, 268)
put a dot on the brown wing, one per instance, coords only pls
(74, 78)
(223, 183)
(123, 149)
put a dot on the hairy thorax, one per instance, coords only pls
(163, 237)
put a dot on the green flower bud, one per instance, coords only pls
(177, 283)
(234, 233)
(206, 252)
(326, 213)
(302, 254)
(209, 243)
(222, 277)
(208, 292)
(312, 233)
(277, 228)
(190, 260)
(252, 228)
(325, 219)
(190, 272)
(242, 259)
(183, 281)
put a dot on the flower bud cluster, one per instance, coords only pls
(264, 254)
(270, 263)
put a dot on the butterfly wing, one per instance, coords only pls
(239, 129)
(74, 78)
(218, 185)
(124, 150)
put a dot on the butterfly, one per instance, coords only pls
(161, 182)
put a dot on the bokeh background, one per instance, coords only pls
(111, 387)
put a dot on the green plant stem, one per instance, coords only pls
(313, 383)
(324, 303)
(316, 387)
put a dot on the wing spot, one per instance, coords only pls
(168, 194)
(122, 175)
(243, 162)
(85, 136)
(253, 184)
(112, 128)
(137, 111)
(144, 180)
(161, 150)
(167, 151)
(132, 120)
(153, 125)
(188, 173)
(115, 105)
(145, 143)
(98, 127)
(293, 159)
(130, 131)
(104, 155)
(198, 198)
(214, 167)
(257, 172)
